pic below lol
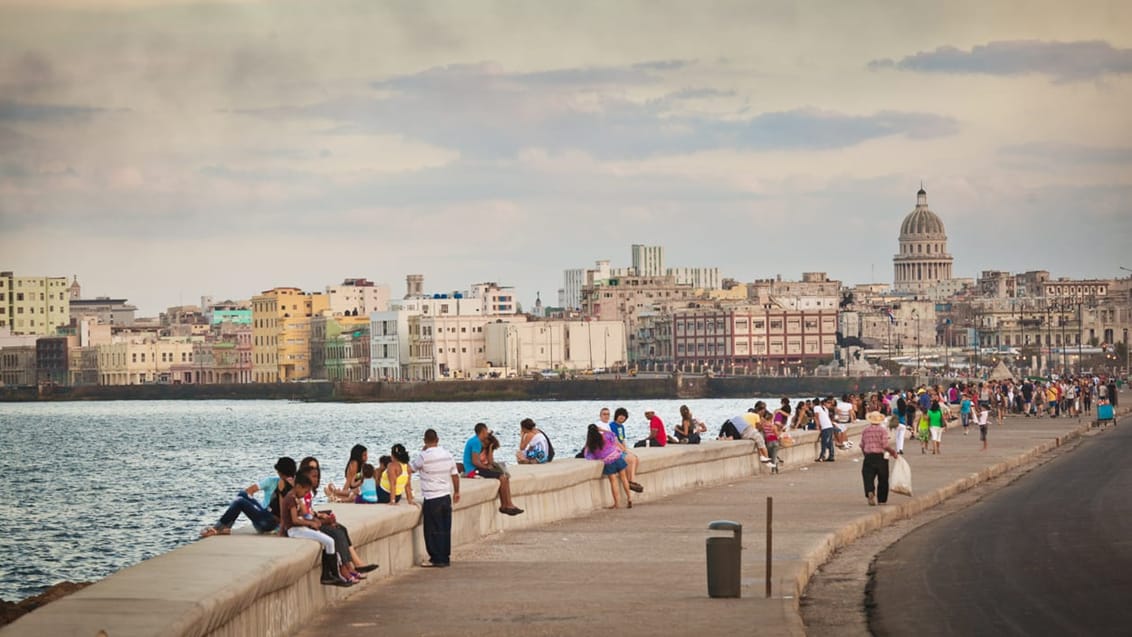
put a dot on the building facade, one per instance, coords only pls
(751, 338)
(358, 297)
(648, 260)
(522, 348)
(281, 325)
(33, 305)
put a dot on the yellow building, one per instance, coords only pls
(281, 331)
(34, 305)
(139, 362)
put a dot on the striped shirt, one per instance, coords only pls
(435, 467)
(874, 439)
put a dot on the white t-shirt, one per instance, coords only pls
(983, 415)
(603, 425)
(821, 414)
(435, 468)
(844, 412)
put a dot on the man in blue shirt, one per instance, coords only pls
(474, 465)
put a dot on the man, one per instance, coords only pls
(440, 489)
(825, 424)
(264, 517)
(874, 470)
(657, 436)
(843, 416)
(474, 465)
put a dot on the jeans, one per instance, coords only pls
(826, 443)
(437, 523)
(261, 518)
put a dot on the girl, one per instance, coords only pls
(368, 492)
(935, 426)
(349, 562)
(602, 445)
(534, 446)
(295, 524)
(349, 491)
(689, 429)
(394, 482)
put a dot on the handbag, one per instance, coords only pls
(786, 440)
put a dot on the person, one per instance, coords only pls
(747, 426)
(874, 469)
(657, 435)
(474, 464)
(394, 483)
(440, 489)
(534, 446)
(781, 416)
(689, 429)
(618, 424)
(771, 431)
(603, 446)
(965, 412)
(982, 415)
(935, 426)
(349, 490)
(260, 514)
(843, 417)
(618, 429)
(825, 424)
(368, 492)
(902, 420)
(350, 563)
(294, 524)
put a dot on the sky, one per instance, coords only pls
(162, 151)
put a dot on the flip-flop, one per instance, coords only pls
(208, 531)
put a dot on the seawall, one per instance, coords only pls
(264, 585)
(676, 386)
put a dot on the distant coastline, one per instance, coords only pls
(671, 387)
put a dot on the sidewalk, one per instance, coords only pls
(642, 571)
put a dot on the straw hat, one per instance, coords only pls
(875, 417)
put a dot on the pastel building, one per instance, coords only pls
(137, 362)
(33, 305)
(358, 297)
(281, 327)
(752, 337)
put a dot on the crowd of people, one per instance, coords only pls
(284, 505)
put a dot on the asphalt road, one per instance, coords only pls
(1050, 554)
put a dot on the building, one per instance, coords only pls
(702, 278)
(33, 305)
(526, 347)
(815, 291)
(17, 365)
(340, 348)
(751, 338)
(570, 296)
(623, 298)
(281, 325)
(52, 358)
(108, 311)
(142, 361)
(923, 260)
(357, 297)
(648, 260)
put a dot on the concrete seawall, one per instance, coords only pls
(246, 584)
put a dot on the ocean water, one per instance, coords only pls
(94, 487)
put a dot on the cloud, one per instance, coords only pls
(1063, 61)
(1070, 153)
(485, 112)
(18, 111)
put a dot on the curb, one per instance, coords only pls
(858, 528)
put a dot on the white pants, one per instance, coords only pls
(900, 431)
(307, 533)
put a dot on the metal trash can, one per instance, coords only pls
(724, 559)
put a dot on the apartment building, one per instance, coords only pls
(281, 325)
(33, 305)
(752, 337)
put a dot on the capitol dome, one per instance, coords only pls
(923, 261)
(921, 221)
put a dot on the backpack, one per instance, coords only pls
(549, 447)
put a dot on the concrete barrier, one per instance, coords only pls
(245, 584)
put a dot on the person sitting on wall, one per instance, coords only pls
(746, 427)
(474, 465)
(657, 435)
(689, 429)
(264, 517)
(534, 445)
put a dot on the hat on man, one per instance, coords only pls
(875, 417)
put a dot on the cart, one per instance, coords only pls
(1105, 415)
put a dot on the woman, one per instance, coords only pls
(689, 429)
(351, 565)
(534, 446)
(923, 430)
(781, 416)
(395, 479)
(771, 432)
(353, 483)
(603, 446)
(935, 425)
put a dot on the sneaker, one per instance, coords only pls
(764, 459)
(819, 459)
(772, 465)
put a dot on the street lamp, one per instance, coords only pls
(916, 316)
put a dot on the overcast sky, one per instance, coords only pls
(165, 150)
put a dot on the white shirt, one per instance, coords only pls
(844, 412)
(603, 425)
(435, 468)
(821, 414)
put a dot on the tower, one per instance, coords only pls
(923, 260)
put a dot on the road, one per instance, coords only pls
(1050, 554)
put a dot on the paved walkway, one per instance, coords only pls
(642, 571)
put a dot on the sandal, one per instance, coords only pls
(208, 531)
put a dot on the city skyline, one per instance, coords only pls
(164, 151)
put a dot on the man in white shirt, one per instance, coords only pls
(843, 417)
(821, 415)
(440, 488)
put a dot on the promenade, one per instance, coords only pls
(642, 571)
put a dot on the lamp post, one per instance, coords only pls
(916, 316)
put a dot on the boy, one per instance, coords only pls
(261, 516)
(294, 524)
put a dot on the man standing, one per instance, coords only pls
(874, 470)
(821, 414)
(474, 465)
(440, 489)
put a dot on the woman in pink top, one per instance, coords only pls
(602, 445)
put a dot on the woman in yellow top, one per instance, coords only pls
(395, 479)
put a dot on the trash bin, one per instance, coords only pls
(724, 559)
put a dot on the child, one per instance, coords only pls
(982, 415)
(965, 412)
(263, 517)
(295, 524)
(368, 493)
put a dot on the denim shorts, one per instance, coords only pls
(615, 467)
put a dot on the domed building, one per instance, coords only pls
(923, 261)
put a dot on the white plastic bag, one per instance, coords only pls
(900, 477)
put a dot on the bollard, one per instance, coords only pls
(724, 559)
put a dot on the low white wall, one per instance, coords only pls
(245, 584)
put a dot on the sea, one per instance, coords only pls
(95, 487)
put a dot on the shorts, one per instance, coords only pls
(937, 433)
(983, 433)
(615, 467)
(485, 473)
